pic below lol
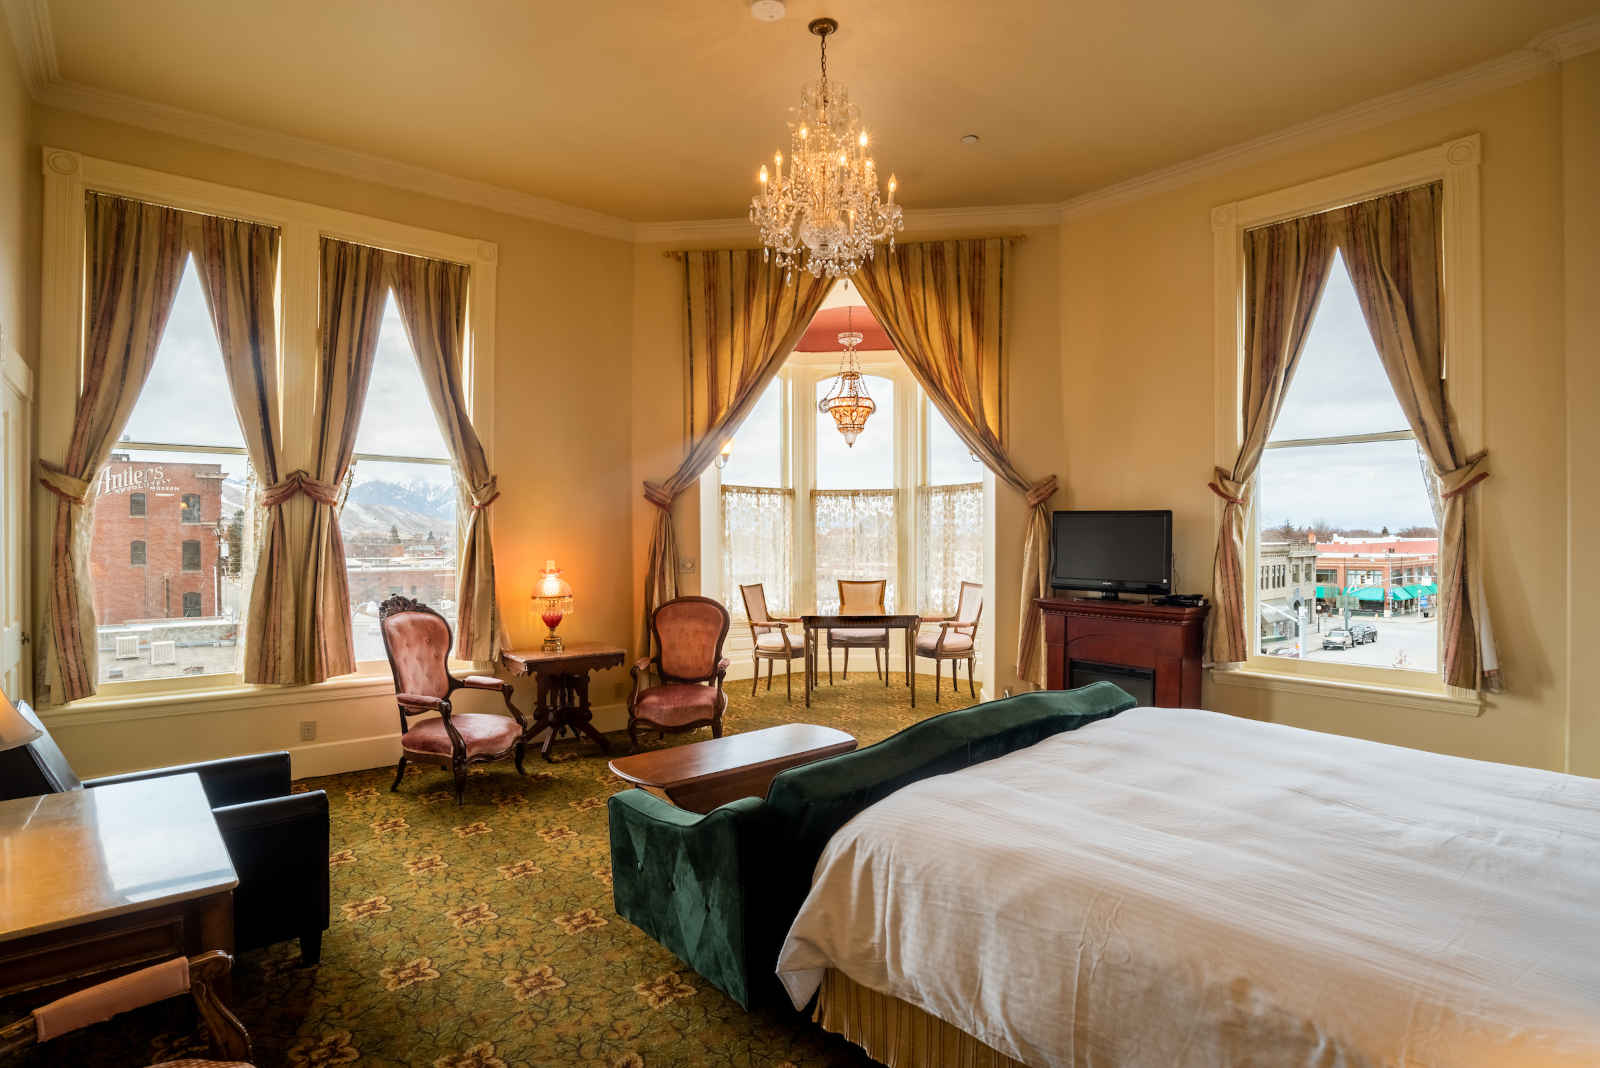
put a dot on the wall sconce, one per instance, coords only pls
(725, 454)
(555, 603)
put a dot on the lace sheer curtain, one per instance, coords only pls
(757, 545)
(950, 549)
(856, 538)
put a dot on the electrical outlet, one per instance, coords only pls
(308, 730)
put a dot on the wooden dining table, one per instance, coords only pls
(816, 625)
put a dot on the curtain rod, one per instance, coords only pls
(679, 253)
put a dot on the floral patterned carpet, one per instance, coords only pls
(484, 937)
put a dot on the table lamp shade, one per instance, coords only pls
(14, 729)
(555, 602)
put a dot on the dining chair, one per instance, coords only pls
(957, 639)
(770, 640)
(860, 597)
(689, 632)
(417, 641)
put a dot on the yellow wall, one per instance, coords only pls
(19, 206)
(560, 443)
(1035, 426)
(1136, 284)
(1580, 115)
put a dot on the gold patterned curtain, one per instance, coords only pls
(133, 259)
(741, 319)
(431, 296)
(238, 266)
(1393, 248)
(349, 313)
(943, 305)
(1286, 269)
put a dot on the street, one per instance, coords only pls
(1403, 641)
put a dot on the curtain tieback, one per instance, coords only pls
(1226, 488)
(69, 488)
(1475, 470)
(486, 494)
(300, 482)
(1041, 491)
(659, 495)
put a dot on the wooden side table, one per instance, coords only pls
(562, 684)
(701, 776)
(96, 882)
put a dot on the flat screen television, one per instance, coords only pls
(1111, 552)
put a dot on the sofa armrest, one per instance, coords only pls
(682, 878)
(228, 781)
(279, 849)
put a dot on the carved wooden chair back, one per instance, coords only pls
(862, 596)
(417, 641)
(689, 633)
(969, 606)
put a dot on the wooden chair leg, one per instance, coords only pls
(886, 667)
(755, 674)
(847, 663)
(830, 662)
(877, 669)
(788, 679)
(399, 773)
(770, 666)
(938, 665)
(460, 773)
(971, 687)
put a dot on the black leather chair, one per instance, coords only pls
(278, 840)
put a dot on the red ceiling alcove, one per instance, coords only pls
(823, 333)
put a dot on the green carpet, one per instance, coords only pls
(484, 937)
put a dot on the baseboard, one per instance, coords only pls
(383, 750)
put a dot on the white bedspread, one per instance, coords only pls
(1176, 887)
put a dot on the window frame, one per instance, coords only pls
(68, 176)
(1456, 165)
(138, 547)
(144, 506)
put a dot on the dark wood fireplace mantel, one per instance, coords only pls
(1166, 640)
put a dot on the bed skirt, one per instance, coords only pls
(897, 1033)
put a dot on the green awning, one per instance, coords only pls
(1401, 593)
(1426, 590)
(1368, 593)
(1322, 591)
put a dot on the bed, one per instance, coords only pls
(1179, 887)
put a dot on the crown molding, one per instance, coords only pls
(35, 45)
(35, 42)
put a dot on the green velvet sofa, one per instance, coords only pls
(721, 889)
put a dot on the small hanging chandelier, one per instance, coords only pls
(824, 214)
(847, 400)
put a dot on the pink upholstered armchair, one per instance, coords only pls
(689, 633)
(417, 640)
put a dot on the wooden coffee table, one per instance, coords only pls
(703, 775)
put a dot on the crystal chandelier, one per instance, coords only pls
(824, 214)
(848, 401)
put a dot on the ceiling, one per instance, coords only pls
(655, 111)
(823, 333)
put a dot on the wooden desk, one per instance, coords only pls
(908, 622)
(701, 776)
(562, 681)
(96, 882)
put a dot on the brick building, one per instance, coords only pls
(155, 552)
(1383, 574)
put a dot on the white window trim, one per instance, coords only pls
(1456, 164)
(68, 175)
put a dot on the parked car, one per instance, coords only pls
(1365, 633)
(1338, 639)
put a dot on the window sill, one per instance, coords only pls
(1454, 702)
(122, 708)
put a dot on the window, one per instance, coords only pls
(1342, 457)
(949, 516)
(854, 505)
(399, 518)
(180, 459)
(756, 504)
